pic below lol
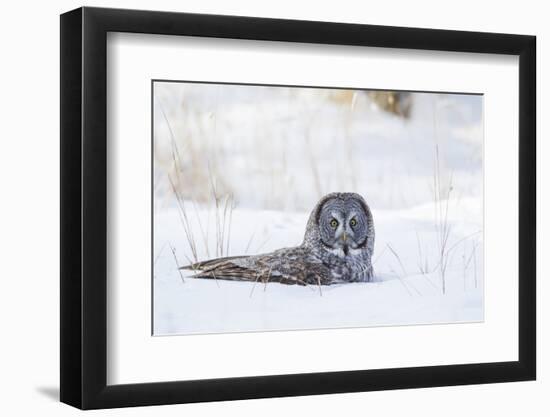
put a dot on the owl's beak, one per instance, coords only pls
(344, 237)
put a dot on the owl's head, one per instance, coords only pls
(342, 224)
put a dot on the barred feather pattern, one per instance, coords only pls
(328, 254)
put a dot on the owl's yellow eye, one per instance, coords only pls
(333, 223)
(353, 222)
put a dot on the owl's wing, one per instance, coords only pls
(234, 268)
(286, 266)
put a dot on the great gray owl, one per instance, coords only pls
(337, 247)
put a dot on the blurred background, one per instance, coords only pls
(283, 148)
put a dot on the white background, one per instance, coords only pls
(133, 60)
(29, 229)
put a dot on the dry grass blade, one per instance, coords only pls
(397, 257)
(400, 280)
(475, 270)
(313, 164)
(379, 256)
(177, 263)
(215, 278)
(267, 239)
(466, 263)
(160, 253)
(204, 234)
(219, 235)
(174, 147)
(226, 224)
(250, 242)
(422, 266)
(442, 226)
(231, 208)
(267, 278)
(454, 246)
(255, 282)
(185, 221)
(402, 268)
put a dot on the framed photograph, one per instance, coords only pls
(257, 207)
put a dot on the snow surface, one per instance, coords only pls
(275, 183)
(400, 294)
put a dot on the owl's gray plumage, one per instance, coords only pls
(337, 247)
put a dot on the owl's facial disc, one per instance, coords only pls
(341, 226)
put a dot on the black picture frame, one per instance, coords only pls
(84, 207)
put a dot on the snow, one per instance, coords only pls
(400, 295)
(279, 150)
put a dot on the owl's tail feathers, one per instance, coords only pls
(198, 266)
(231, 268)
